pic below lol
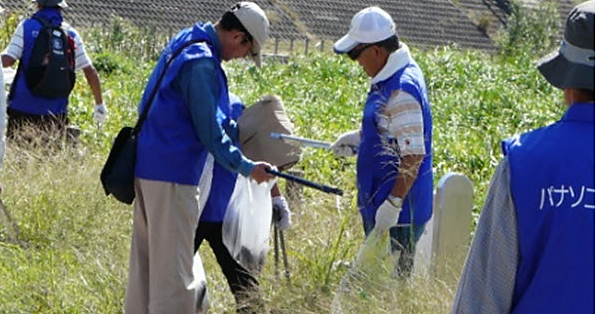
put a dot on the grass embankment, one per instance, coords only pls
(77, 240)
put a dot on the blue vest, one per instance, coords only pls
(223, 182)
(377, 166)
(552, 171)
(168, 148)
(22, 99)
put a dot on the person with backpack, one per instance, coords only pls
(49, 52)
(394, 143)
(534, 246)
(180, 129)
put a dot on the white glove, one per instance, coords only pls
(347, 144)
(281, 212)
(100, 113)
(388, 213)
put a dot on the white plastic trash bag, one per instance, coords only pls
(205, 182)
(200, 285)
(246, 227)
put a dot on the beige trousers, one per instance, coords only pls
(160, 270)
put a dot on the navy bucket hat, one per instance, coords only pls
(52, 3)
(573, 64)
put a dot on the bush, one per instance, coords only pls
(531, 30)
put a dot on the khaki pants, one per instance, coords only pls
(161, 262)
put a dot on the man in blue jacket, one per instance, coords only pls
(394, 163)
(181, 128)
(534, 247)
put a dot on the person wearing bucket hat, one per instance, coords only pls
(51, 3)
(241, 277)
(534, 247)
(26, 106)
(394, 142)
(182, 128)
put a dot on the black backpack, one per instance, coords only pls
(51, 69)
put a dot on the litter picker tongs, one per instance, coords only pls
(301, 140)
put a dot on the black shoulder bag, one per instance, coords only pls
(118, 174)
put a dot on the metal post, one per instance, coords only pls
(306, 46)
(276, 45)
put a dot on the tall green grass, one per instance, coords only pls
(75, 253)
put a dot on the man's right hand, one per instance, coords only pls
(347, 144)
(259, 174)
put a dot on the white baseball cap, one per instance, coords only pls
(370, 25)
(252, 17)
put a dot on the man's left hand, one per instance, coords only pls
(282, 215)
(387, 214)
(100, 113)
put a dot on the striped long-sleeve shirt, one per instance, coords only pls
(402, 116)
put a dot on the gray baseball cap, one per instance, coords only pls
(52, 3)
(252, 17)
(573, 64)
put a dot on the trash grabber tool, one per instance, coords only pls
(284, 257)
(301, 140)
(276, 258)
(321, 187)
(279, 243)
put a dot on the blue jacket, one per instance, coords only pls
(376, 168)
(552, 171)
(182, 124)
(224, 181)
(22, 98)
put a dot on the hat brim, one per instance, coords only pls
(344, 44)
(256, 54)
(561, 73)
(62, 4)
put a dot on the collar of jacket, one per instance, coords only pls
(581, 112)
(210, 30)
(396, 61)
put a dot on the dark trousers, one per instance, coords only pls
(242, 283)
(19, 122)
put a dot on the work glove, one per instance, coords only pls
(388, 213)
(100, 113)
(281, 212)
(347, 144)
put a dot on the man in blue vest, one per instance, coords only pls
(242, 282)
(534, 247)
(394, 163)
(180, 130)
(26, 108)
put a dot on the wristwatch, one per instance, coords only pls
(395, 200)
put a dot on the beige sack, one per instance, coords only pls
(255, 126)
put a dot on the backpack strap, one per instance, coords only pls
(143, 115)
(13, 86)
